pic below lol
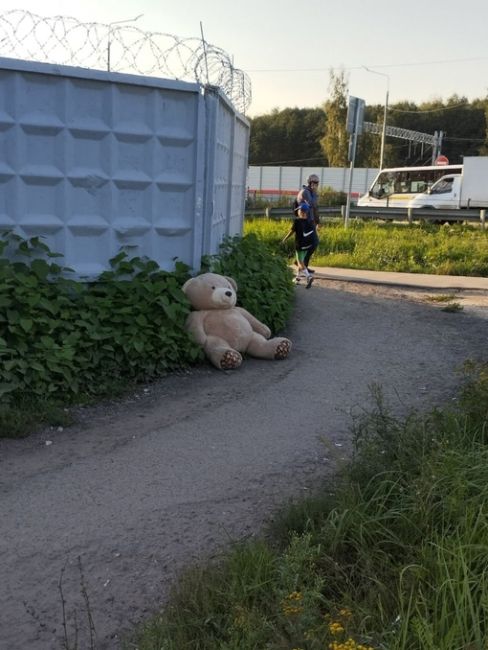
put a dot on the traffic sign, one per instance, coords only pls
(441, 160)
(355, 115)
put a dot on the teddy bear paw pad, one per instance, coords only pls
(283, 349)
(230, 360)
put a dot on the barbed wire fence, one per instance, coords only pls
(64, 40)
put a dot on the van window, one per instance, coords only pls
(443, 186)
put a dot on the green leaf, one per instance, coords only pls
(139, 345)
(7, 388)
(26, 324)
(40, 268)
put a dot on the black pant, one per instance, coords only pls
(308, 255)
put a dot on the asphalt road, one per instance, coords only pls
(107, 512)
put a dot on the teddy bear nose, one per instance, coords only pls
(228, 293)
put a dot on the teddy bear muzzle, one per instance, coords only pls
(223, 297)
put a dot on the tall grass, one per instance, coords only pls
(417, 248)
(394, 556)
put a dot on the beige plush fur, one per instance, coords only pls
(225, 331)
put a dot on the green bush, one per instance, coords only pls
(263, 278)
(65, 341)
(329, 197)
(65, 338)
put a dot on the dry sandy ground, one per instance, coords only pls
(474, 300)
(111, 508)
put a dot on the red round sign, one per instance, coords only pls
(442, 160)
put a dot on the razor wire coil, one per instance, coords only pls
(64, 40)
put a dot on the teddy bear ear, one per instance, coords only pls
(186, 285)
(232, 281)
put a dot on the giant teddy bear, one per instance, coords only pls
(223, 330)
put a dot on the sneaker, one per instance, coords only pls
(310, 270)
(296, 279)
(309, 282)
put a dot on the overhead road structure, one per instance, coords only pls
(435, 140)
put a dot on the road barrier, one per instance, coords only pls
(383, 214)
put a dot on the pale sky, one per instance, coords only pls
(421, 49)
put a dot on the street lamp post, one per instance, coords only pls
(117, 22)
(383, 131)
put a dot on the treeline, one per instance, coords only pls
(318, 137)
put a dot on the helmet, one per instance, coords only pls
(313, 178)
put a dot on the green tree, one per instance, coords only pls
(288, 137)
(336, 141)
(463, 126)
(369, 144)
(483, 104)
(318, 137)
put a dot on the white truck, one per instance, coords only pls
(469, 189)
(447, 188)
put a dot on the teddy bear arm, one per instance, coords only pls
(256, 324)
(194, 325)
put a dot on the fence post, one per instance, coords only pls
(483, 219)
(343, 213)
(266, 212)
(410, 215)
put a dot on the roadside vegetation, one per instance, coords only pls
(64, 342)
(392, 556)
(418, 248)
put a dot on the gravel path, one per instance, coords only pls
(114, 506)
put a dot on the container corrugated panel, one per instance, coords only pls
(227, 142)
(239, 169)
(94, 161)
(218, 176)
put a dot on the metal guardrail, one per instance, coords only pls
(384, 214)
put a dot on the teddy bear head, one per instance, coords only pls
(211, 291)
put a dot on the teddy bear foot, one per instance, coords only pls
(283, 349)
(230, 360)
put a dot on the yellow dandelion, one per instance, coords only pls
(292, 604)
(336, 628)
(295, 595)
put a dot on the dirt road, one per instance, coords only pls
(107, 511)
